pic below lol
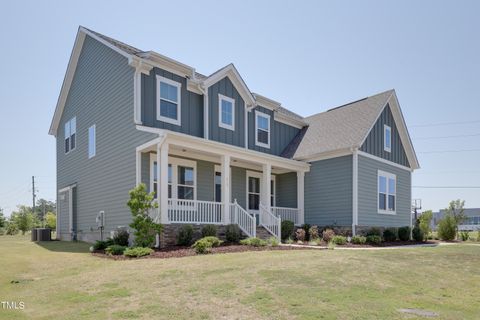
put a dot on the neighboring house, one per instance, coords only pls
(471, 223)
(214, 152)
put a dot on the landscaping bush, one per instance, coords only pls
(214, 241)
(256, 242)
(313, 232)
(327, 235)
(115, 250)
(121, 237)
(137, 252)
(447, 228)
(306, 228)
(287, 229)
(289, 241)
(374, 239)
(204, 245)
(339, 240)
(209, 230)
(273, 242)
(417, 233)
(185, 235)
(300, 235)
(100, 245)
(464, 235)
(404, 233)
(359, 239)
(374, 232)
(390, 234)
(233, 233)
(12, 229)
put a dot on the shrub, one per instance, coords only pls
(417, 233)
(121, 237)
(204, 245)
(233, 233)
(390, 234)
(209, 230)
(12, 229)
(137, 252)
(359, 239)
(447, 228)
(100, 245)
(273, 242)
(374, 239)
(185, 235)
(115, 250)
(256, 242)
(287, 229)
(109, 242)
(313, 232)
(339, 240)
(214, 241)
(464, 235)
(141, 204)
(327, 235)
(306, 228)
(300, 234)
(404, 233)
(289, 241)
(331, 245)
(374, 232)
(425, 221)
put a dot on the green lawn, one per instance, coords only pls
(60, 280)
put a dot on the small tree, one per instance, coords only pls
(457, 211)
(51, 220)
(23, 218)
(447, 227)
(424, 222)
(2, 219)
(141, 203)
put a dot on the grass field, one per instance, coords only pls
(60, 280)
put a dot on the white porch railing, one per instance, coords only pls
(270, 222)
(195, 211)
(291, 214)
(245, 221)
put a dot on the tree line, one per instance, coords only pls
(24, 218)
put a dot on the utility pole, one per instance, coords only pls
(33, 193)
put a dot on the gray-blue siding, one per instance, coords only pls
(191, 105)
(368, 194)
(374, 143)
(328, 192)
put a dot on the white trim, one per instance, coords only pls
(259, 175)
(264, 115)
(326, 155)
(178, 85)
(355, 192)
(393, 164)
(387, 176)
(94, 146)
(385, 129)
(245, 116)
(279, 117)
(301, 195)
(71, 132)
(220, 123)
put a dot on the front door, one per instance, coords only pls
(254, 182)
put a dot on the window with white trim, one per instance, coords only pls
(70, 134)
(168, 100)
(387, 138)
(262, 129)
(181, 178)
(226, 112)
(387, 192)
(92, 141)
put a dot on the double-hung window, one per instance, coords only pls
(262, 129)
(70, 134)
(181, 178)
(387, 192)
(168, 100)
(387, 138)
(226, 112)
(92, 148)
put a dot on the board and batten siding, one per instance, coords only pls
(368, 194)
(328, 192)
(374, 144)
(280, 134)
(191, 105)
(102, 94)
(215, 132)
(286, 192)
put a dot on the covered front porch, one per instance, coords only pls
(197, 181)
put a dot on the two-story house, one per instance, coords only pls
(216, 153)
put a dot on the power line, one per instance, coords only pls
(443, 124)
(449, 151)
(446, 187)
(447, 137)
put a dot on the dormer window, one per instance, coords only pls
(168, 100)
(262, 129)
(70, 134)
(387, 138)
(226, 112)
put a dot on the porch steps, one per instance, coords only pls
(262, 233)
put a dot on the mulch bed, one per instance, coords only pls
(383, 244)
(178, 252)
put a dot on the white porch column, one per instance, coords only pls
(266, 189)
(355, 192)
(301, 196)
(162, 180)
(226, 193)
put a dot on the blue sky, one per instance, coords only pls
(309, 55)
